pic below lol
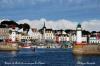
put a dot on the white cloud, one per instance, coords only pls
(58, 24)
(91, 25)
(63, 24)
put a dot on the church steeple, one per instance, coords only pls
(44, 25)
(44, 29)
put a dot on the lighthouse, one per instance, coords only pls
(78, 34)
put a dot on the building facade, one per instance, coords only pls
(4, 34)
(47, 34)
(36, 34)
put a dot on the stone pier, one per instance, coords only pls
(86, 49)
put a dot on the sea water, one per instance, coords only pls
(47, 57)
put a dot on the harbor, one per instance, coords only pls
(82, 43)
(49, 32)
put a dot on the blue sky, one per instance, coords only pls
(74, 10)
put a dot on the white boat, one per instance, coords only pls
(41, 46)
(57, 45)
(27, 47)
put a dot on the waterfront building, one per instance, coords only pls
(26, 38)
(18, 36)
(4, 34)
(61, 36)
(84, 39)
(13, 32)
(94, 38)
(13, 35)
(35, 34)
(47, 34)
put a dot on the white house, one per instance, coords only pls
(13, 33)
(35, 34)
(47, 34)
(61, 36)
(4, 34)
(94, 39)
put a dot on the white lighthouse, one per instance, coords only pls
(78, 34)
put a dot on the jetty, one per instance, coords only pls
(8, 47)
(87, 49)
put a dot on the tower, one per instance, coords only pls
(78, 34)
(44, 29)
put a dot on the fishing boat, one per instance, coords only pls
(57, 45)
(25, 45)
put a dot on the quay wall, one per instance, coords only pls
(86, 49)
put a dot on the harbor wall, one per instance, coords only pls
(86, 49)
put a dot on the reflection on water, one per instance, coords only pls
(25, 51)
(86, 60)
(13, 53)
(46, 57)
